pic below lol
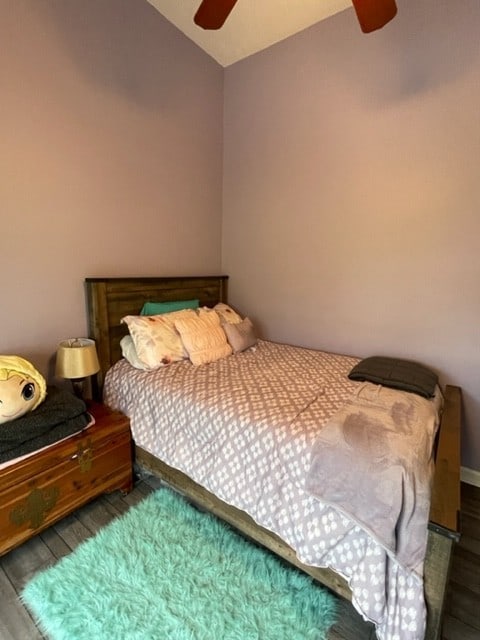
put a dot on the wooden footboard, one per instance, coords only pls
(443, 529)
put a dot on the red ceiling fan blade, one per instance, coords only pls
(212, 14)
(374, 14)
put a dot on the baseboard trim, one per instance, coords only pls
(470, 476)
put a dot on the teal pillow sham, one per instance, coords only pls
(159, 308)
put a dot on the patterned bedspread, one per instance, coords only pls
(245, 428)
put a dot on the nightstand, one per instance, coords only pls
(45, 486)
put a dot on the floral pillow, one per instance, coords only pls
(203, 337)
(157, 342)
(226, 313)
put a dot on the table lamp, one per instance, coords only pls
(76, 360)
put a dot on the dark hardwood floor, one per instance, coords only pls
(462, 617)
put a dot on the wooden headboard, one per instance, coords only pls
(109, 299)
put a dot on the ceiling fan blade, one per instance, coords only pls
(374, 14)
(211, 14)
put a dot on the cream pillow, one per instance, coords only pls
(226, 313)
(203, 337)
(130, 353)
(156, 340)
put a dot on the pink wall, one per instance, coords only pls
(110, 163)
(351, 191)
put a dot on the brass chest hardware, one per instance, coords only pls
(35, 507)
(84, 455)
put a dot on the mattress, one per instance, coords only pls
(245, 427)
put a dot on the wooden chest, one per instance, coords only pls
(39, 490)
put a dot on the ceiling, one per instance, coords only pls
(252, 26)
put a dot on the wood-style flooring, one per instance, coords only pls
(462, 617)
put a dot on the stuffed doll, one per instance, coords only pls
(22, 388)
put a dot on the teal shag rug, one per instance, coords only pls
(166, 571)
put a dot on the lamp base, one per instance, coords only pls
(78, 385)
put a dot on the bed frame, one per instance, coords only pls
(109, 299)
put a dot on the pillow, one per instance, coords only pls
(130, 353)
(396, 373)
(156, 340)
(157, 308)
(240, 335)
(22, 388)
(226, 313)
(203, 337)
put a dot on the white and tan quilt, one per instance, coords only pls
(251, 429)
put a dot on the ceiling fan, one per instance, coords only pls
(371, 14)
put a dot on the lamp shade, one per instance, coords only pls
(76, 358)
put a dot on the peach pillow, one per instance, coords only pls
(203, 337)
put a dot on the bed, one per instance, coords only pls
(111, 299)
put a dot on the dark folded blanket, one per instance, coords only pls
(61, 414)
(396, 373)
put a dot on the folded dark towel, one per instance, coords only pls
(61, 414)
(397, 374)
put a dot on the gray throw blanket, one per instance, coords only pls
(61, 414)
(373, 462)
